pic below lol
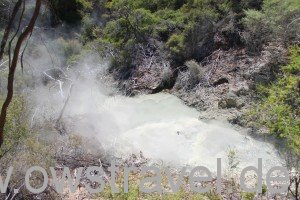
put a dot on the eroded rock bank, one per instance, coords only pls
(222, 86)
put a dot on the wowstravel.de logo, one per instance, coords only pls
(199, 174)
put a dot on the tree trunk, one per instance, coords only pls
(8, 28)
(12, 68)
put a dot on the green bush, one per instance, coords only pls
(277, 21)
(258, 30)
(176, 45)
(279, 109)
(167, 75)
(195, 71)
(131, 24)
(17, 124)
(22, 147)
(199, 38)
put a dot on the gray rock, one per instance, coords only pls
(241, 90)
(231, 101)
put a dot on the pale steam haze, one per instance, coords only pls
(159, 125)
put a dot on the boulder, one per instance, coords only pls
(241, 90)
(231, 101)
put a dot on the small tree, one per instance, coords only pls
(13, 65)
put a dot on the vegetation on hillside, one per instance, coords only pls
(279, 109)
(277, 21)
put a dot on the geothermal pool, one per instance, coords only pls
(160, 125)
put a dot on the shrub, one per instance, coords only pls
(268, 25)
(167, 75)
(131, 24)
(199, 39)
(195, 71)
(22, 148)
(69, 49)
(191, 77)
(17, 124)
(279, 109)
(130, 28)
(258, 30)
(176, 46)
(233, 160)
